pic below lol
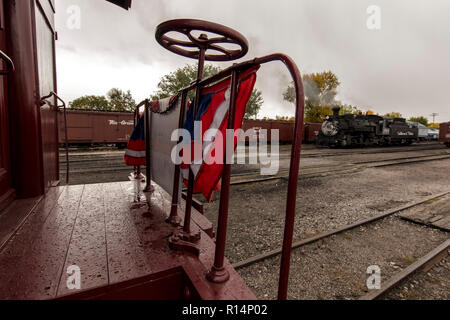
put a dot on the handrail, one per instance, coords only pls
(42, 102)
(145, 103)
(9, 63)
(217, 273)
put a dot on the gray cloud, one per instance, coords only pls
(403, 67)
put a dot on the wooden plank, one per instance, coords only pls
(13, 217)
(14, 250)
(37, 275)
(87, 249)
(126, 256)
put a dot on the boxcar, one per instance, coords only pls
(286, 129)
(86, 127)
(95, 127)
(444, 133)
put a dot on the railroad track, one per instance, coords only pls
(253, 176)
(321, 171)
(100, 156)
(425, 263)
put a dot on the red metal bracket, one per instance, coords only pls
(42, 102)
(9, 63)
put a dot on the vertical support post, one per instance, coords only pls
(67, 145)
(136, 114)
(174, 219)
(149, 187)
(187, 215)
(218, 274)
(293, 179)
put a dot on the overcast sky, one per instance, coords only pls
(404, 66)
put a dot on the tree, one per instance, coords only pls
(421, 120)
(317, 113)
(119, 100)
(393, 115)
(173, 82)
(320, 94)
(320, 89)
(97, 103)
(254, 104)
(349, 109)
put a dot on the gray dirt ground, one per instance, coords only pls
(256, 218)
(334, 268)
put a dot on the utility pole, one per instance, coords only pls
(434, 115)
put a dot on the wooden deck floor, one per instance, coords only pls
(117, 244)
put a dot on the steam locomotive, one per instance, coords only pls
(365, 130)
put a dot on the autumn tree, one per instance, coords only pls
(349, 109)
(320, 95)
(422, 120)
(173, 82)
(393, 115)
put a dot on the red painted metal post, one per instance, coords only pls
(149, 187)
(187, 216)
(136, 113)
(293, 178)
(67, 144)
(174, 219)
(218, 274)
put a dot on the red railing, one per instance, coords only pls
(218, 273)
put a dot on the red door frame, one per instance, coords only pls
(7, 193)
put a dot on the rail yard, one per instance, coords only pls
(356, 208)
(323, 178)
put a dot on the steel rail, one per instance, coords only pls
(42, 102)
(431, 258)
(301, 243)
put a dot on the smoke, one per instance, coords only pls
(404, 66)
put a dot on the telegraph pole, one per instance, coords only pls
(434, 115)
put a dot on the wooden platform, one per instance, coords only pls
(120, 246)
(435, 213)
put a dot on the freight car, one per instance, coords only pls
(85, 127)
(285, 129)
(364, 130)
(444, 133)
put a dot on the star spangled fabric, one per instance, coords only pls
(213, 114)
(135, 152)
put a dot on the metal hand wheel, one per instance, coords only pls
(186, 27)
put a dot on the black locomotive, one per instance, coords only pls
(365, 130)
